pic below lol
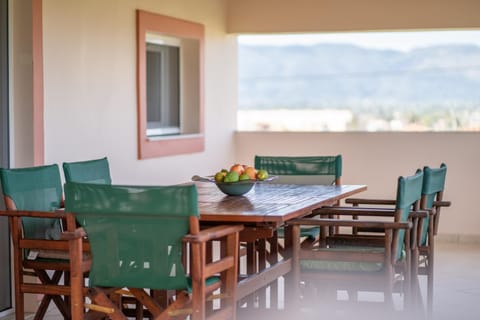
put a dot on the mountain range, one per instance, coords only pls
(345, 75)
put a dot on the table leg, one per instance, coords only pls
(251, 269)
(291, 288)
(273, 259)
(262, 263)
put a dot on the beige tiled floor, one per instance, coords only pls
(457, 283)
(457, 286)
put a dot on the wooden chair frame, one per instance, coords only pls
(422, 254)
(49, 286)
(200, 270)
(360, 249)
(388, 282)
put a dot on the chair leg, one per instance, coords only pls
(138, 310)
(415, 301)
(19, 305)
(430, 284)
(58, 300)
(101, 298)
(43, 307)
(19, 295)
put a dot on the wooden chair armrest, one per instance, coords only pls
(213, 233)
(354, 211)
(351, 223)
(421, 214)
(56, 249)
(227, 262)
(370, 201)
(34, 214)
(79, 233)
(442, 203)
(43, 244)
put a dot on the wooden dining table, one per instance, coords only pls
(262, 211)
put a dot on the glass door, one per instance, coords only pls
(5, 282)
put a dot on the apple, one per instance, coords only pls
(219, 176)
(251, 172)
(238, 168)
(243, 177)
(232, 176)
(262, 174)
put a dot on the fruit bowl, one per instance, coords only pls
(236, 188)
(232, 188)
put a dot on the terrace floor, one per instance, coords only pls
(457, 287)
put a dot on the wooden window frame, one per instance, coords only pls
(176, 144)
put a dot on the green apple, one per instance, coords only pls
(232, 176)
(244, 176)
(262, 174)
(219, 176)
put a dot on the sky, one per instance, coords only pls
(402, 41)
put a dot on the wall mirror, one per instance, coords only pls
(170, 85)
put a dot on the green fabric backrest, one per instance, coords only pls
(90, 171)
(36, 189)
(433, 183)
(409, 191)
(302, 170)
(135, 232)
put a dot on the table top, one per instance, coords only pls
(268, 202)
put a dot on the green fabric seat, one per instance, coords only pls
(89, 171)
(32, 198)
(302, 170)
(135, 233)
(310, 233)
(139, 237)
(208, 282)
(326, 170)
(433, 183)
(344, 266)
(35, 189)
(408, 193)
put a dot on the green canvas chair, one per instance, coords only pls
(432, 200)
(302, 170)
(137, 236)
(288, 170)
(423, 248)
(367, 267)
(326, 170)
(90, 171)
(32, 197)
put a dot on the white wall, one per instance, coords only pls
(90, 111)
(90, 87)
(377, 159)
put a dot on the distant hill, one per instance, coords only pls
(332, 75)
